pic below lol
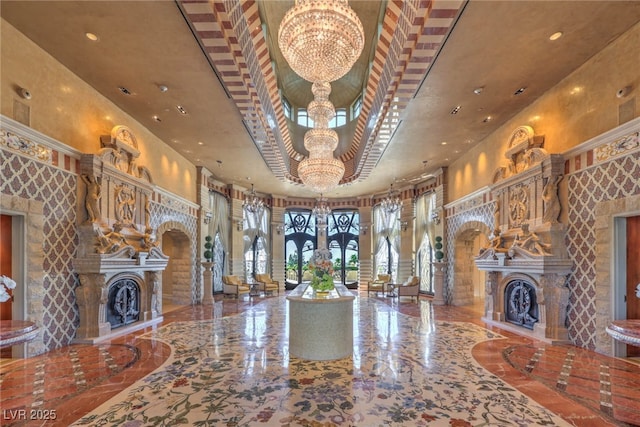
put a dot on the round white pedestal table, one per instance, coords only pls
(320, 327)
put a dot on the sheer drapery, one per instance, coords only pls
(425, 227)
(385, 226)
(220, 220)
(256, 226)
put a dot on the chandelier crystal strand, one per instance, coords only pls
(321, 171)
(321, 39)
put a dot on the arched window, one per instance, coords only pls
(256, 238)
(425, 235)
(286, 108)
(219, 229)
(343, 241)
(356, 107)
(300, 241)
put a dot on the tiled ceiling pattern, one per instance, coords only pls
(231, 34)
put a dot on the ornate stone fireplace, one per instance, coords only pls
(118, 263)
(526, 259)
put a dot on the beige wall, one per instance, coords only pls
(579, 108)
(67, 109)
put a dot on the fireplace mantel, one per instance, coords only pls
(116, 240)
(527, 240)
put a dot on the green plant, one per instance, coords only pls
(207, 246)
(438, 246)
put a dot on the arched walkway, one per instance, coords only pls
(178, 288)
(465, 273)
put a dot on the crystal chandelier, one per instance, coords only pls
(321, 210)
(252, 202)
(321, 171)
(321, 39)
(391, 203)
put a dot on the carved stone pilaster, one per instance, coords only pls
(553, 308)
(91, 296)
(491, 299)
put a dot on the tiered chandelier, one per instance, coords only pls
(321, 171)
(392, 203)
(252, 202)
(321, 40)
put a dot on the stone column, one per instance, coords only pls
(207, 282)
(439, 269)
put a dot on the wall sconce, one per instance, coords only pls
(404, 225)
(239, 225)
(279, 229)
(207, 217)
(363, 229)
(435, 217)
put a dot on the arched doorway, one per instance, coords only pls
(176, 278)
(300, 241)
(468, 285)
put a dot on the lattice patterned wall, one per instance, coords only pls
(56, 189)
(615, 179)
(36, 168)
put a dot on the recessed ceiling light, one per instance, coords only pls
(555, 36)
(200, 143)
(181, 109)
(156, 118)
(478, 90)
(163, 88)
(124, 90)
(443, 143)
(91, 36)
(487, 119)
(520, 91)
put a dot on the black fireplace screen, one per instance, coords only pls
(123, 307)
(521, 306)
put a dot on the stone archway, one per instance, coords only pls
(464, 268)
(177, 285)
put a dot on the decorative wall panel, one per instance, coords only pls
(611, 180)
(56, 189)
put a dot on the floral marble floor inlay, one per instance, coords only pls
(236, 371)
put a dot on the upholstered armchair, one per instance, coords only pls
(379, 284)
(233, 286)
(410, 288)
(267, 284)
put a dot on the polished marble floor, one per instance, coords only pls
(413, 364)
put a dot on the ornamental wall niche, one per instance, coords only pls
(119, 262)
(526, 258)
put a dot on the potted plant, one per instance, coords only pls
(322, 268)
(208, 254)
(438, 246)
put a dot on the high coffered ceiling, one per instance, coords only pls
(223, 68)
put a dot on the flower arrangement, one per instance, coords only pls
(321, 267)
(6, 283)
